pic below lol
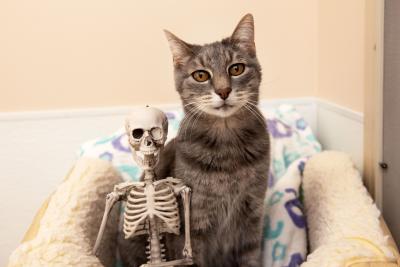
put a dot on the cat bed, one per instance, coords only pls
(285, 239)
(343, 221)
(46, 245)
(64, 230)
(292, 142)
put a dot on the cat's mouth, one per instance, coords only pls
(224, 106)
(223, 110)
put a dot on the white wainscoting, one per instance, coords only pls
(339, 128)
(38, 148)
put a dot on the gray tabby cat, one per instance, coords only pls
(221, 151)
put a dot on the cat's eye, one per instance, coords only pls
(236, 69)
(201, 75)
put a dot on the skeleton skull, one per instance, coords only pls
(147, 130)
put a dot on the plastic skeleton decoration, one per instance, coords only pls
(151, 206)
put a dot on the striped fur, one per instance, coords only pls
(223, 157)
(222, 153)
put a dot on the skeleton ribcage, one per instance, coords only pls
(144, 202)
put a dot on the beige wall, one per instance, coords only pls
(72, 54)
(87, 53)
(341, 44)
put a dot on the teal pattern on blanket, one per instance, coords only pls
(292, 142)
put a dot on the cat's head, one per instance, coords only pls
(219, 78)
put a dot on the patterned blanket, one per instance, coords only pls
(292, 142)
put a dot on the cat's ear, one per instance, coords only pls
(243, 35)
(181, 51)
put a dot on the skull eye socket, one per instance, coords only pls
(156, 133)
(137, 133)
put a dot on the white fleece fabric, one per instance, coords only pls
(76, 207)
(343, 221)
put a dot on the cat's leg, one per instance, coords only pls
(250, 253)
(200, 250)
(132, 251)
(249, 250)
(175, 244)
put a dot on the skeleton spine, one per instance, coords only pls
(162, 249)
(156, 256)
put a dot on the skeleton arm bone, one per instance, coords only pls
(185, 194)
(111, 199)
(118, 194)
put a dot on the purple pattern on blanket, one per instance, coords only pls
(271, 179)
(118, 145)
(301, 166)
(278, 129)
(170, 115)
(106, 156)
(295, 209)
(295, 260)
(301, 124)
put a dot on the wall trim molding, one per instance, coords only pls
(321, 114)
(73, 113)
(340, 128)
(349, 113)
(121, 110)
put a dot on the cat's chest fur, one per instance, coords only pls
(222, 166)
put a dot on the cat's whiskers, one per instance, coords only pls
(254, 113)
(240, 100)
(241, 93)
(197, 116)
(193, 115)
(251, 107)
(248, 95)
(190, 104)
(253, 103)
(198, 100)
(190, 119)
(186, 121)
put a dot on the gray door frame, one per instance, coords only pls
(391, 118)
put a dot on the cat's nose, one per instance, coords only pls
(223, 93)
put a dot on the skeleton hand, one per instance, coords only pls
(187, 252)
